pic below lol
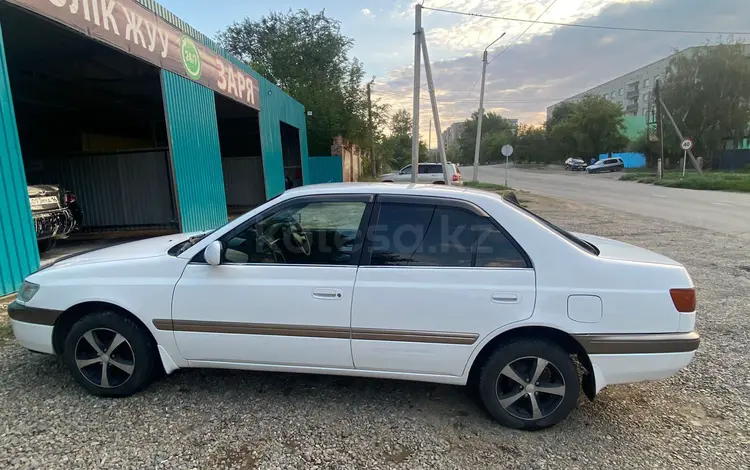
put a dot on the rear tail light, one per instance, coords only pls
(683, 299)
(455, 177)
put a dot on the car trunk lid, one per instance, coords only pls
(613, 249)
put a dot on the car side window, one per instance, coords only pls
(304, 233)
(426, 235)
(435, 169)
(424, 169)
(495, 250)
(406, 170)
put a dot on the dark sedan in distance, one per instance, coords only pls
(575, 164)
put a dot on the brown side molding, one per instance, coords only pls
(305, 331)
(37, 316)
(650, 343)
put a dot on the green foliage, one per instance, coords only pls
(712, 180)
(587, 128)
(708, 94)
(307, 56)
(394, 151)
(496, 132)
(642, 144)
(531, 144)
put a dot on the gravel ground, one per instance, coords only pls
(226, 419)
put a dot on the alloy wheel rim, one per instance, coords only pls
(105, 358)
(530, 388)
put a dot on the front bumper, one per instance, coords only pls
(54, 224)
(33, 336)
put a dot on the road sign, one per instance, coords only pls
(507, 150)
(686, 144)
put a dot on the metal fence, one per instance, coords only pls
(243, 181)
(124, 190)
(327, 169)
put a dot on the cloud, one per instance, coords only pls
(367, 12)
(559, 62)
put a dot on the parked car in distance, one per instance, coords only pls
(607, 164)
(575, 164)
(415, 282)
(428, 173)
(53, 213)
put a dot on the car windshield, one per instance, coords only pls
(590, 247)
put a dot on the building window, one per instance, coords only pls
(647, 82)
(620, 92)
(612, 95)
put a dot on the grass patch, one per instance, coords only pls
(486, 186)
(710, 181)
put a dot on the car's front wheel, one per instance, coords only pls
(529, 384)
(109, 354)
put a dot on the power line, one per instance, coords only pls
(591, 26)
(524, 32)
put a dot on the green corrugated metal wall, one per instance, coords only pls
(195, 153)
(19, 256)
(275, 106)
(328, 169)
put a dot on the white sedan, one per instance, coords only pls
(422, 282)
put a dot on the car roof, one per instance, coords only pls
(435, 190)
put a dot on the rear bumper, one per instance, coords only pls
(629, 358)
(53, 224)
(33, 336)
(611, 369)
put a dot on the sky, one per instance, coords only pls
(545, 65)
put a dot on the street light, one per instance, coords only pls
(481, 109)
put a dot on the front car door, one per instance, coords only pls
(282, 294)
(404, 175)
(437, 275)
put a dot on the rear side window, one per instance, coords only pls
(426, 235)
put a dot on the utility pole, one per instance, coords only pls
(415, 108)
(429, 140)
(372, 131)
(679, 134)
(435, 115)
(660, 125)
(481, 110)
(479, 118)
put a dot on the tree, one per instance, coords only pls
(496, 132)
(395, 149)
(708, 94)
(589, 127)
(531, 145)
(307, 56)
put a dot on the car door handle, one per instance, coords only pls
(327, 294)
(505, 297)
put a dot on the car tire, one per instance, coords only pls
(517, 403)
(438, 182)
(387, 181)
(46, 245)
(105, 371)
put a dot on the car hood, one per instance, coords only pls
(612, 249)
(147, 248)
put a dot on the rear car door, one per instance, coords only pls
(437, 276)
(276, 299)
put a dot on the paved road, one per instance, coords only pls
(715, 210)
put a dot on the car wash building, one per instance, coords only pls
(150, 124)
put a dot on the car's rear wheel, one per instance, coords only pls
(109, 354)
(529, 384)
(46, 245)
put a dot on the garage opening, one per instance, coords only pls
(292, 153)
(241, 155)
(91, 124)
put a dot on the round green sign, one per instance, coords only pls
(191, 57)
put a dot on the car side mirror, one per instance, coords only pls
(401, 172)
(213, 253)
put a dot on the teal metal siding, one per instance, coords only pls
(325, 170)
(275, 107)
(195, 153)
(19, 255)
